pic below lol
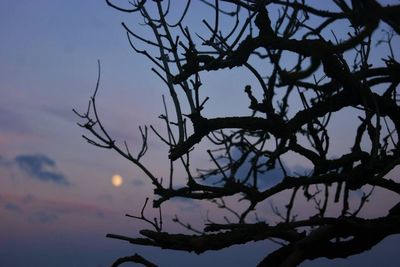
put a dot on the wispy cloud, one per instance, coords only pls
(43, 216)
(41, 210)
(41, 168)
(12, 207)
(138, 182)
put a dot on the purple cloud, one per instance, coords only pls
(41, 168)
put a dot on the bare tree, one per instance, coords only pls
(332, 68)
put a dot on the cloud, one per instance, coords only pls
(43, 216)
(267, 179)
(12, 207)
(187, 204)
(137, 182)
(41, 168)
(39, 210)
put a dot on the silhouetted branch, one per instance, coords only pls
(301, 84)
(136, 258)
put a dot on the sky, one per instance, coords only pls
(57, 200)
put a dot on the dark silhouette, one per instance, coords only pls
(322, 57)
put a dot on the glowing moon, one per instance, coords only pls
(116, 180)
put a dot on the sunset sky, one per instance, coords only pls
(57, 196)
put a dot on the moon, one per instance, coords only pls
(116, 180)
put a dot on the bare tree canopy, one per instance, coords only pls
(309, 65)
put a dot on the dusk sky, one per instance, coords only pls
(57, 200)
